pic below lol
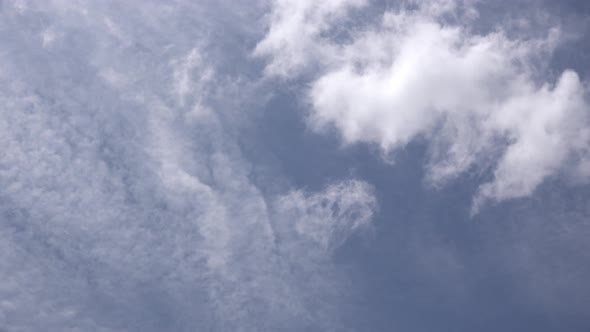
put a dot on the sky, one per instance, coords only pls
(294, 165)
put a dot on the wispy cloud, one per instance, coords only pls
(126, 202)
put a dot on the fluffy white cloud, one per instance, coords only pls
(476, 98)
(126, 203)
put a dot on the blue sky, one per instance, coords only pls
(294, 165)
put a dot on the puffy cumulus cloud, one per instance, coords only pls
(477, 98)
(126, 204)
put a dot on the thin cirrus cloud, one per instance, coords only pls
(422, 72)
(126, 202)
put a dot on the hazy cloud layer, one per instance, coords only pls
(126, 202)
(422, 72)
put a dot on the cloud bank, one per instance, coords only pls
(423, 73)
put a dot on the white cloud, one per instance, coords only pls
(476, 98)
(294, 36)
(126, 202)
